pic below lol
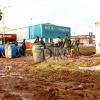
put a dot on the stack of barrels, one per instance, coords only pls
(10, 51)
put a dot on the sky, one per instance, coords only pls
(80, 15)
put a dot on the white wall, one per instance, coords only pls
(22, 33)
(84, 40)
(97, 31)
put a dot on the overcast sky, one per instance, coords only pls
(69, 13)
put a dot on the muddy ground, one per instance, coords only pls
(17, 83)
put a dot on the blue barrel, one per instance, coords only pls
(11, 51)
(18, 51)
(2, 50)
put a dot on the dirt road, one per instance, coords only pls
(18, 83)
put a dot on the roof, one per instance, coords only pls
(81, 37)
(6, 29)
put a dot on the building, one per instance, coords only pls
(21, 33)
(48, 31)
(84, 39)
(97, 31)
(8, 37)
(6, 29)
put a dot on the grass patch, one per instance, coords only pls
(29, 52)
(59, 66)
(7, 63)
(87, 49)
(83, 50)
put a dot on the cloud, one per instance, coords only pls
(60, 12)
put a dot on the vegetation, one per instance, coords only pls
(0, 16)
(29, 52)
(87, 49)
(83, 50)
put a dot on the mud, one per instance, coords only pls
(22, 84)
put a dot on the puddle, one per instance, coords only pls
(15, 93)
(91, 68)
(3, 76)
(4, 68)
(20, 77)
(12, 76)
(70, 60)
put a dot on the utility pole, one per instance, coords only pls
(3, 23)
(30, 37)
(74, 29)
